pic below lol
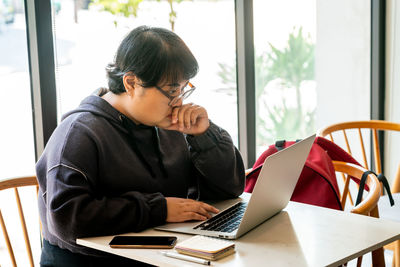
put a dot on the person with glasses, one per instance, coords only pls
(134, 155)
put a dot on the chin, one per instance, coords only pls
(164, 123)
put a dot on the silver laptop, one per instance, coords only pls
(271, 194)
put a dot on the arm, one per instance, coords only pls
(74, 210)
(76, 203)
(218, 164)
(78, 206)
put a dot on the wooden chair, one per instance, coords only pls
(15, 183)
(342, 131)
(368, 206)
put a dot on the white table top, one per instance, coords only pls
(301, 235)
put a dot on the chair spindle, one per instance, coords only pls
(8, 243)
(23, 224)
(363, 149)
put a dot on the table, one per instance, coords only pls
(300, 235)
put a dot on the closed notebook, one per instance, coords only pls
(206, 247)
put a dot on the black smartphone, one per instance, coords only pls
(143, 242)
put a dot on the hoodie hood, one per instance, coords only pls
(100, 107)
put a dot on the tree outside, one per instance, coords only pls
(284, 78)
(129, 8)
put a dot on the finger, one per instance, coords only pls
(174, 114)
(204, 212)
(187, 117)
(181, 114)
(203, 209)
(195, 216)
(191, 203)
(197, 207)
(195, 114)
(210, 208)
(172, 127)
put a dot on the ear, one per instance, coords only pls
(130, 83)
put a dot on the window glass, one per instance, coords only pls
(87, 36)
(343, 68)
(17, 155)
(284, 40)
(312, 66)
(392, 141)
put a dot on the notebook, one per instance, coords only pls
(209, 248)
(271, 194)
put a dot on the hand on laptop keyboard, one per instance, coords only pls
(182, 209)
(227, 221)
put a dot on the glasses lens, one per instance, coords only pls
(185, 94)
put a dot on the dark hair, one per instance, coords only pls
(154, 55)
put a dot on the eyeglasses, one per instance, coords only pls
(185, 93)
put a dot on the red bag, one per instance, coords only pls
(317, 184)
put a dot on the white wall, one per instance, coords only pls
(392, 85)
(342, 61)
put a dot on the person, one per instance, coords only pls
(133, 156)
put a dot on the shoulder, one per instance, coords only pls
(84, 120)
(78, 132)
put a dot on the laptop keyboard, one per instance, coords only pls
(226, 221)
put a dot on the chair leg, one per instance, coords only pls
(378, 258)
(396, 184)
(396, 254)
(359, 261)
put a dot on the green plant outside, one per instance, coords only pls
(124, 8)
(289, 67)
(127, 8)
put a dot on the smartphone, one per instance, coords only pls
(143, 242)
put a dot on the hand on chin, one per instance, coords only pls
(188, 119)
(197, 129)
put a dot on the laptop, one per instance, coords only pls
(271, 194)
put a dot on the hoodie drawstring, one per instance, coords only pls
(159, 154)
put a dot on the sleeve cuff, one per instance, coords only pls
(158, 210)
(207, 140)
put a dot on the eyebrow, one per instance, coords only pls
(176, 84)
(173, 84)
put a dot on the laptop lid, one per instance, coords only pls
(271, 194)
(275, 184)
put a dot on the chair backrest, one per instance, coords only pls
(15, 183)
(334, 131)
(369, 205)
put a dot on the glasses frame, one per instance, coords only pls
(183, 95)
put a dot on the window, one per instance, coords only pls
(312, 61)
(17, 155)
(284, 40)
(392, 141)
(343, 68)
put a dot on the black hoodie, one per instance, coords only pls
(101, 174)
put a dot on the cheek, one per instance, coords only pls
(157, 110)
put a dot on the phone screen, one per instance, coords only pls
(143, 242)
